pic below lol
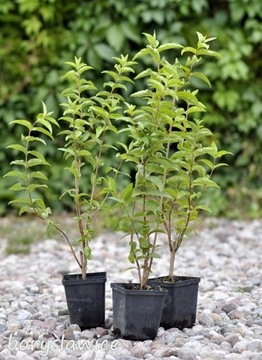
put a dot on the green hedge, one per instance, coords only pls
(38, 36)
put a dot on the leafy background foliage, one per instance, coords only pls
(37, 37)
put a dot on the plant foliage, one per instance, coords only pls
(89, 118)
(172, 153)
(38, 37)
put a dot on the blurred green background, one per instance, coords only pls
(37, 37)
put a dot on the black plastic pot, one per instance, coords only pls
(136, 313)
(180, 305)
(86, 299)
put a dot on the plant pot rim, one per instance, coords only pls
(76, 279)
(179, 280)
(123, 288)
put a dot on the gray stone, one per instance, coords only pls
(186, 354)
(206, 285)
(164, 351)
(100, 355)
(50, 323)
(240, 346)
(255, 346)
(206, 320)
(258, 311)
(182, 341)
(170, 335)
(100, 332)
(215, 356)
(236, 314)
(87, 334)
(63, 312)
(2, 328)
(69, 334)
(6, 354)
(21, 355)
(232, 339)
(89, 355)
(140, 349)
(22, 315)
(13, 325)
(110, 357)
(119, 353)
(230, 306)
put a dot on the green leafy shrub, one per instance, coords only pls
(89, 119)
(38, 37)
(172, 164)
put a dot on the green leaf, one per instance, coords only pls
(34, 138)
(37, 154)
(209, 53)
(25, 123)
(201, 76)
(143, 242)
(33, 187)
(115, 37)
(17, 187)
(17, 174)
(38, 175)
(25, 209)
(189, 49)
(104, 51)
(208, 163)
(104, 114)
(43, 131)
(204, 183)
(169, 46)
(141, 53)
(88, 253)
(154, 255)
(131, 258)
(151, 40)
(188, 97)
(222, 153)
(41, 120)
(203, 207)
(111, 73)
(17, 147)
(51, 229)
(36, 162)
(132, 245)
(99, 131)
(126, 194)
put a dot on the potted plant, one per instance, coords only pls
(87, 124)
(173, 156)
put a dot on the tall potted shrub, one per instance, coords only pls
(88, 120)
(195, 160)
(174, 156)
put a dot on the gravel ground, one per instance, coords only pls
(225, 254)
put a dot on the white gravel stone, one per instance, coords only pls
(255, 346)
(109, 357)
(89, 355)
